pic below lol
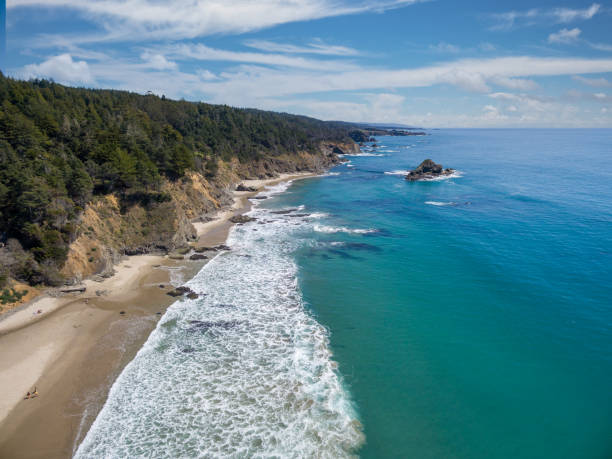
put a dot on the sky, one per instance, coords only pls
(436, 63)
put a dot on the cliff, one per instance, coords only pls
(107, 230)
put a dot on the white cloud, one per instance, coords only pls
(157, 61)
(149, 19)
(569, 15)
(207, 75)
(315, 47)
(534, 16)
(492, 113)
(593, 82)
(564, 36)
(204, 53)
(62, 69)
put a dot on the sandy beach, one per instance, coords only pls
(71, 348)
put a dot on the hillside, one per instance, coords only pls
(117, 172)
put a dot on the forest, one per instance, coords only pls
(61, 146)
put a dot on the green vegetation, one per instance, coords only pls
(11, 296)
(61, 146)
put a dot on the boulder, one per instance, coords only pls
(197, 256)
(428, 170)
(243, 187)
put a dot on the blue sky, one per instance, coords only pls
(437, 63)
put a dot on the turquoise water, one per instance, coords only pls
(464, 318)
(481, 328)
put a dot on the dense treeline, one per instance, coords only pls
(61, 146)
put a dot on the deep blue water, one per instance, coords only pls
(476, 321)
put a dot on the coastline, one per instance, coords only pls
(73, 351)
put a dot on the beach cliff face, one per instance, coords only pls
(108, 229)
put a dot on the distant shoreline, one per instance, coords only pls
(75, 349)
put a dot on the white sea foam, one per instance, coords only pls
(318, 215)
(398, 172)
(244, 371)
(455, 174)
(440, 204)
(365, 154)
(342, 229)
(331, 174)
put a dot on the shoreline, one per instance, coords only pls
(74, 350)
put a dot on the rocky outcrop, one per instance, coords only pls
(243, 187)
(428, 170)
(241, 219)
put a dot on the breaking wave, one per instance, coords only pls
(440, 204)
(244, 370)
(342, 229)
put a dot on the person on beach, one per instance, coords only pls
(35, 394)
(27, 396)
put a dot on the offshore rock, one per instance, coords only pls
(428, 170)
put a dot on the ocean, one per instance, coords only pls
(364, 315)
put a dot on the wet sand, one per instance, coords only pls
(74, 350)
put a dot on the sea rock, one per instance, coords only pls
(428, 170)
(197, 256)
(243, 187)
(241, 219)
(192, 295)
(180, 291)
(221, 247)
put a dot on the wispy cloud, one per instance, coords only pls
(200, 52)
(593, 82)
(139, 20)
(475, 75)
(600, 46)
(314, 47)
(444, 47)
(599, 97)
(510, 19)
(565, 36)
